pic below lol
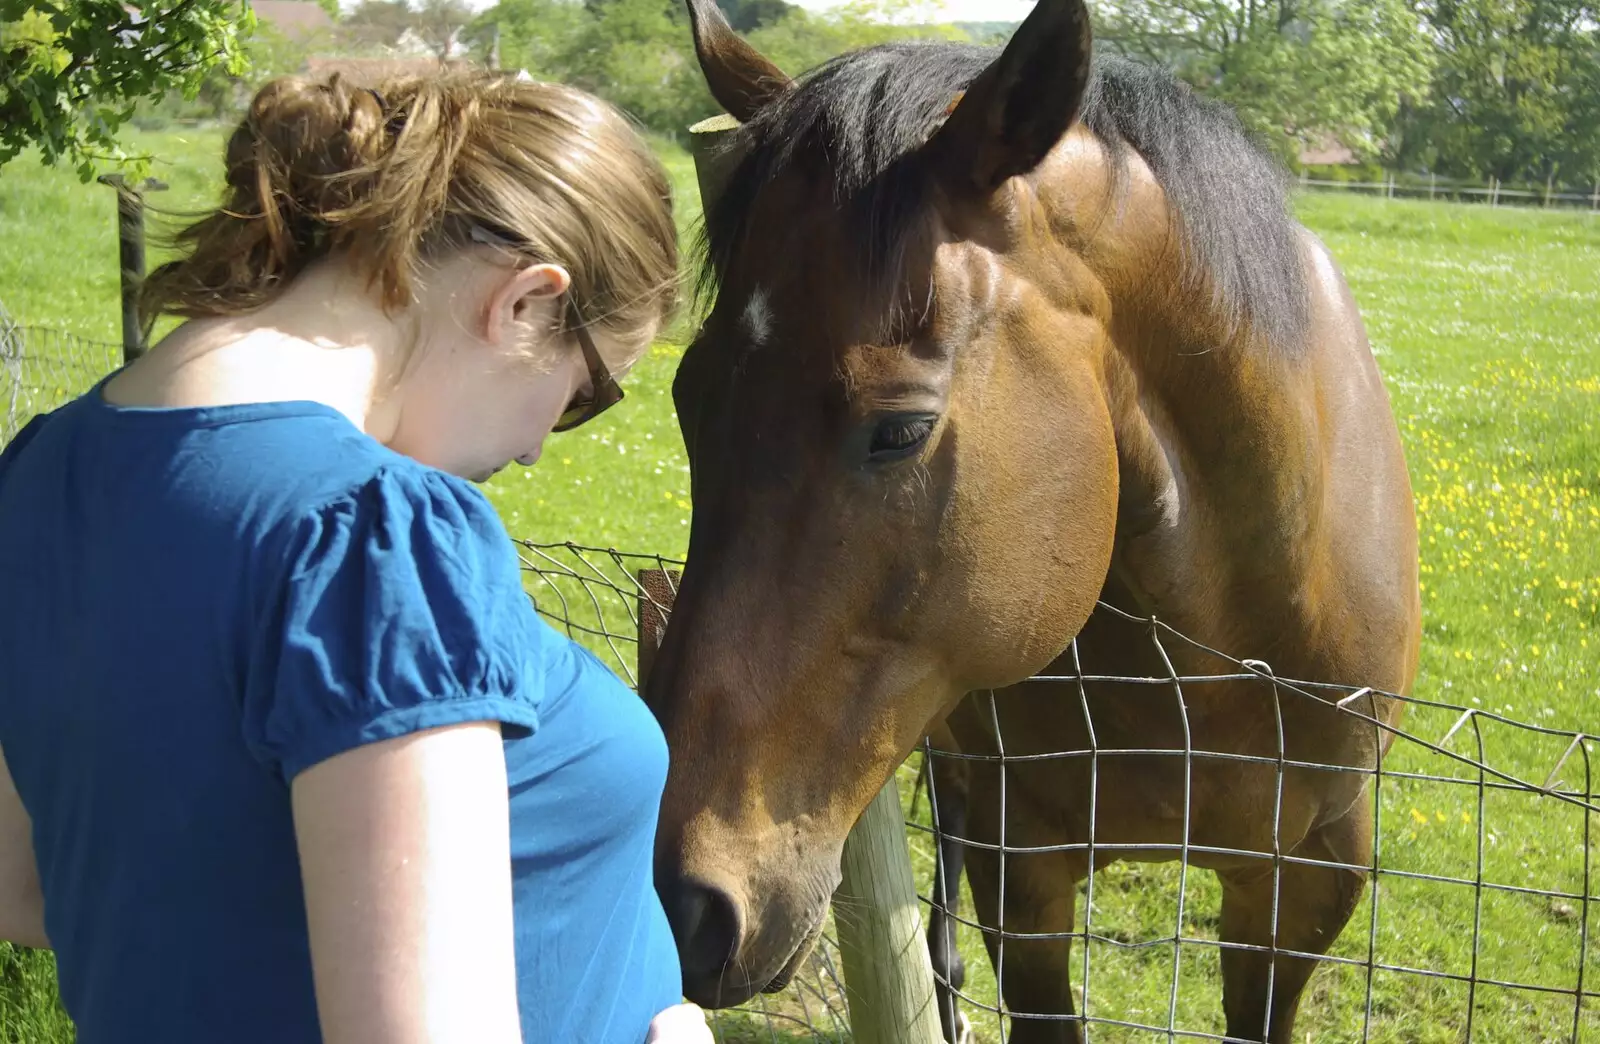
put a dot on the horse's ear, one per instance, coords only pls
(741, 78)
(1018, 108)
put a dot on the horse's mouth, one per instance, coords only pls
(802, 953)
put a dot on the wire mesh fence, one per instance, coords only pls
(1474, 926)
(42, 368)
(1474, 923)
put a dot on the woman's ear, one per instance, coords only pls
(528, 296)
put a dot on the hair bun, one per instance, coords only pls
(302, 146)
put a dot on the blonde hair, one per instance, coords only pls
(394, 177)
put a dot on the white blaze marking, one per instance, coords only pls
(758, 318)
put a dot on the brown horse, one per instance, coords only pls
(998, 334)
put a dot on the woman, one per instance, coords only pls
(287, 754)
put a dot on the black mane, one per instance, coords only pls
(866, 112)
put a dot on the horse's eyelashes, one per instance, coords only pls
(898, 437)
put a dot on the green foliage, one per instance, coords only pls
(801, 41)
(1297, 71)
(988, 33)
(747, 15)
(1517, 94)
(536, 35)
(639, 54)
(436, 23)
(72, 72)
(377, 23)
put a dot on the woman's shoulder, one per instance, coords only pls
(392, 507)
(392, 484)
(400, 606)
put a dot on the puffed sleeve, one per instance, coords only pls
(400, 608)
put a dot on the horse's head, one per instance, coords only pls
(902, 460)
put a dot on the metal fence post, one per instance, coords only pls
(130, 250)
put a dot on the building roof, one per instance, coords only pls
(296, 19)
(369, 71)
(1329, 151)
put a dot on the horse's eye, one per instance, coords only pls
(899, 437)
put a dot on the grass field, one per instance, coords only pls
(1487, 325)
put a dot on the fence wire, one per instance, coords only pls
(1474, 923)
(42, 368)
(1474, 926)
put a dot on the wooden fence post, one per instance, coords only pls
(130, 249)
(888, 976)
(658, 588)
(1433, 180)
(712, 163)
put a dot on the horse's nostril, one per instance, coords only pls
(705, 923)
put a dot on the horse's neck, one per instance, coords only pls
(1220, 472)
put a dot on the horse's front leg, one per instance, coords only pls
(948, 786)
(1041, 891)
(1313, 902)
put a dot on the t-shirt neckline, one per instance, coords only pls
(203, 416)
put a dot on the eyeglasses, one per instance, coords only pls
(604, 392)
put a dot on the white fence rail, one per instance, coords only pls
(1495, 192)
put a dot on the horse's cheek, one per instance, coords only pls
(1041, 512)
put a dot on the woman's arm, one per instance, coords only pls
(405, 852)
(21, 903)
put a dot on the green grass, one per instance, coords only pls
(1486, 323)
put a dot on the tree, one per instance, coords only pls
(749, 15)
(72, 72)
(1295, 70)
(1516, 94)
(437, 23)
(377, 23)
(801, 41)
(537, 35)
(639, 54)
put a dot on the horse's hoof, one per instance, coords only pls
(963, 1029)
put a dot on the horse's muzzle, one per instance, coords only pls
(707, 925)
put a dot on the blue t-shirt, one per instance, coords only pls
(200, 603)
